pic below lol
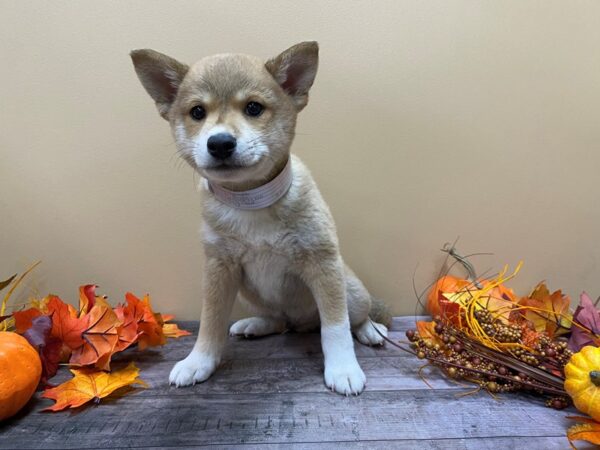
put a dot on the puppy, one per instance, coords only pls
(268, 235)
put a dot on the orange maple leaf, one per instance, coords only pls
(588, 430)
(547, 312)
(99, 338)
(66, 326)
(171, 330)
(128, 330)
(91, 384)
(149, 323)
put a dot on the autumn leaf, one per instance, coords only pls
(450, 310)
(128, 330)
(586, 315)
(427, 332)
(23, 319)
(149, 324)
(91, 384)
(588, 430)
(49, 348)
(547, 312)
(4, 284)
(167, 317)
(171, 330)
(66, 326)
(87, 298)
(500, 301)
(14, 284)
(99, 338)
(41, 304)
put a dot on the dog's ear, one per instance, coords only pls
(160, 75)
(295, 70)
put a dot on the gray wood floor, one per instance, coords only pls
(269, 393)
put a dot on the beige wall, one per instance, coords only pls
(428, 120)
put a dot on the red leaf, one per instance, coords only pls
(23, 319)
(450, 310)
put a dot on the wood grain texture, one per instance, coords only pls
(269, 393)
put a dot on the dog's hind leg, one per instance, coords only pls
(257, 326)
(359, 307)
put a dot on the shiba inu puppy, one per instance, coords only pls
(268, 235)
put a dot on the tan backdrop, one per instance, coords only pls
(428, 120)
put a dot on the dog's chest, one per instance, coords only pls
(266, 275)
(264, 248)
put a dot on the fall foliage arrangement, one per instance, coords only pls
(36, 340)
(481, 332)
(485, 334)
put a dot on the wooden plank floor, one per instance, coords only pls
(269, 393)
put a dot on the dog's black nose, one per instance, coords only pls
(221, 146)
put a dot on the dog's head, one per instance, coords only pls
(232, 116)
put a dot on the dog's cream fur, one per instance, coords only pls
(284, 260)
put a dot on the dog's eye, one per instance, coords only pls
(198, 112)
(254, 109)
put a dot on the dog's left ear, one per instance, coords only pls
(295, 70)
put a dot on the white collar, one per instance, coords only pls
(257, 198)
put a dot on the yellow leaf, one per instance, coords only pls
(15, 284)
(91, 384)
(171, 330)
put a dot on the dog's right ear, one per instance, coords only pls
(160, 75)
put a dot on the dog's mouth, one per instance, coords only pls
(232, 165)
(231, 170)
(227, 167)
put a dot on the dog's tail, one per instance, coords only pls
(380, 312)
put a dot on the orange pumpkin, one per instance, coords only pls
(20, 372)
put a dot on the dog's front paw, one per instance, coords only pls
(346, 379)
(195, 368)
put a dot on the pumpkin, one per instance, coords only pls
(583, 381)
(20, 372)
